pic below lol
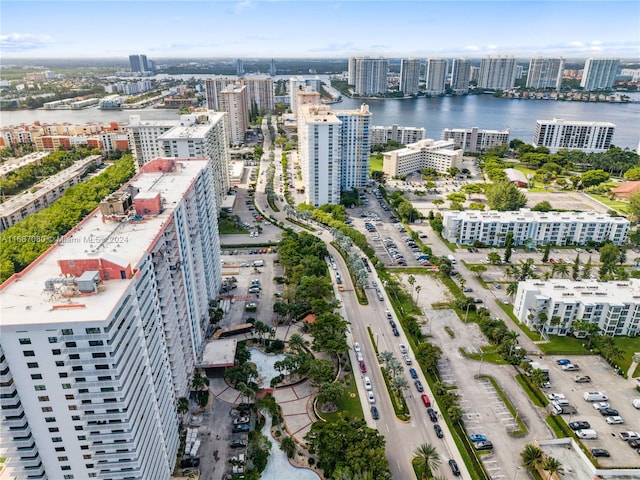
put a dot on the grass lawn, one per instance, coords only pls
(375, 163)
(523, 169)
(564, 346)
(348, 404)
(622, 207)
(629, 346)
(228, 227)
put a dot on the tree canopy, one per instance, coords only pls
(504, 196)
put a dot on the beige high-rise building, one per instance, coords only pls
(435, 76)
(497, 73)
(260, 92)
(233, 101)
(409, 76)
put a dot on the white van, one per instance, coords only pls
(636, 402)
(587, 434)
(452, 259)
(595, 397)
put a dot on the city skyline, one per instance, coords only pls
(265, 29)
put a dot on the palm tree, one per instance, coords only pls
(412, 281)
(531, 456)
(398, 385)
(512, 289)
(297, 342)
(526, 269)
(455, 413)
(427, 458)
(552, 465)
(199, 384)
(394, 367)
(418, 290)
(182, 408)
(386, 356)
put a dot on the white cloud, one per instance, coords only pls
(240, 6)
(576, 44)
(472, 48)
(20, 42)
(492, 47)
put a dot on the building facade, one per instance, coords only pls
(475, 140)
(233, 101)
(551, 307)
(545, 73)
(102, 332)
(409, 76)
(534, 228)
(435, 76)
(497, 73)
(379, 135)
(370, 76)
(143, 137)
(437, 154)
(355, 147)
(574, 135)
(599, 73)
(139, 63)
(260, 92)
(460, 75)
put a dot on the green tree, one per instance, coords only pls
(586, 272)
(428, 355)
(634, 206)
(584, 326)
(329, 333)
(494, 258)
(437, 202)
(477, 269)
(547, 251)
(330, 393)
(593, 177)
(182, 408)
(538, 377)
(551, 465)
(427, 459)
(543, 206)
(609, 256)
(321, 371)
(575, 268)
(632, 174)
(526, 269)
(297, 343)
(288, 445)
(531, 456)
(505, 196)
(399, 384)
(512, 289)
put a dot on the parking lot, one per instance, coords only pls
(620, 391)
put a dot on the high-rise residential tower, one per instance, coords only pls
(557, 134)
(545, 73)
(370, 76)
(409, 76)
(239, 67)
(272, 69)
(460, 75)
(497, 73)
(355, 147)
(233, 101)
(599, 73)
(101, 334)
(259, 93)
(435, 76)
(139, 63)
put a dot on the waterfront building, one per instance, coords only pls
(409, 76)
(296, 85)
(139, 63)
(143, 137)
(370, 76)
(437, 154)
(355, 147)
(551, 307)
(474, 74)
(533, 228)
(351, 72)
(435, 76)
(519, 72)
(599, 73)
(272, 70)
(259, 93)
(379, 135)
(101, 334)
(460, 75)
(574, 135)
(233, 101)
(475, 140)
(545, 73)
(239, 67)
(497, 73)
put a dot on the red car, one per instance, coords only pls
(551, 260)
(425, 400)
(363, 367)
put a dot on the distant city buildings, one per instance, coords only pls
(369, 75)
(410, 76)
(140, 64)
(531, 227)
(599, 73)
(334, 151)
(460, 75)
(475, 140)
(573, 135)
(239, 67)
(260, 94)
(435, 76)
(272, 69)
(100, 336)
(545, 73)
(437, 154)
(552, 306)
(497, 73)
(404, 135)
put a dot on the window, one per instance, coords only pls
(74, 356)
(99, 355)
(36, 376)
(68, 397)
(29, 353)
(75, 417)
(59, 449)
(25, 341)
(90, 331)
(73, 407)
(53, 429)
(56, 439)
(53, 339)
(78, 428)
(39, 388)
(77, 368)
(56, 351)
(95, 343)
(49, 419)
(68, 476)
(65, 467)
(63, 374)
(70, 344)
(67, 331)
(63, 459)
(86, 457)
(43, 398)
(66, 386)
(82, 437)
(32, 364)
(84, 447)
(59, 363)
(47, 409)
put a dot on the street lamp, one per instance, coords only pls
(515, 474)
(377, 339)
(480, 366)
(467, 313)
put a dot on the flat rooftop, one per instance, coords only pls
(23, 300)
(219, 353)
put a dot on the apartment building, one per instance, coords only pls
(100, 335)
(475, 140)
(233, 101)
(355, 147)
(533, 228)
(437, 154)
(143, 137)
(20, 206)
(370, 75)
(574, 135)
(552, 306)
(497, 73)
(460, 75)
(381, 135)
(599, 73)
(139, 63)
(435, 76)
(201, 135)
(409, 76)
(545, 73)
(260, 92)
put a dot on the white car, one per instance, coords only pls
(407, 359)
(615, 420)
(372, 399)
(359, 357)
(356, 347)
(403, 348)
(556, 396)
(570, 367)
(600, 405)
(367, 383)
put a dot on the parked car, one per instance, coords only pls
(419, 386)
(615, 420)
(403, 348)
(438, 430)
(600, 452)
(483, 445)
(580, 425)
(241, 420)
(571, 367)
(238, 444)
(356, 347)
(407, 359)
(609, 412)
(426, 400)
(371, 397)
(367, 383)
(563, 361)
(454, 467)
(432, 414)
(395, 331)
(478, 437)
(556, 396)
(413, 373)
(583, 379)
(374, 412)
(629, 436)
(240, 428)
(600, 405)
(363, 367)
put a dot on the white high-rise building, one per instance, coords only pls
(259, 93)
(202, 135)
(143, 137)
(497, 73)
(435, 76)
(599, 73)
(574, 135)
(460, 75)
(351, 72)
(296, 85)
(545, 73)
(474, 139)
(405, 135)
(233, 101)
(409, 76)
(355, 147)
(100, 335)
(371, 75)
(551, 307)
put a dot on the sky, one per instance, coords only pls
(318, 29)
